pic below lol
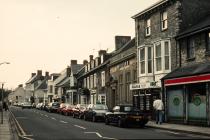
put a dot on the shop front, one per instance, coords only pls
(143, 97)
(187, 99)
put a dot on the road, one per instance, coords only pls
(41, 125)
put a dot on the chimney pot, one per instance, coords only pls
(39, 72)
(85, 62)
(73, 62)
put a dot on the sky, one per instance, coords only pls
(46, 34)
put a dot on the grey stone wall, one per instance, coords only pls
(200, 50)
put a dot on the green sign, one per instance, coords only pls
(197, 101)
(176, 101)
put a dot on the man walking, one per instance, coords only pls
(158, 106)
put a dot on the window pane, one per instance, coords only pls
(149, 53)
(158, 64)
(142, 54)
(142, 67)
(166, 62)
(150, 66)
(191, 48)
(158, 50)
(166, 48)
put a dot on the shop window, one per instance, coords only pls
(197, 101)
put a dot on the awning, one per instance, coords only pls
(189, 74)
(187, 80)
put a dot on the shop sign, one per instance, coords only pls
(176, 101)
(135, 86)
(197, 101)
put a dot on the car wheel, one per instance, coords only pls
(106, 121)
(94, 119)
(120, 123)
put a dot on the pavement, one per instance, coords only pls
(198, 130)
(6, 132)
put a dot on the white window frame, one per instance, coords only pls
(91, 81)
(163, 70)
(148, 27)
(103, 78)
(141, 61)
(102, 59)
(164, 20)
(85, 82)
(146, 60)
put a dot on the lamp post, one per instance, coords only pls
(2, 95)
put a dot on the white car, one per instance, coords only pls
(26, 105)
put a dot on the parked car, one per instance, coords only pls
(67, 110)
(78, 110)
(61, 107)
(95, 112)
(53, 107)
(125, 115)
(38, 106)
(26, 105)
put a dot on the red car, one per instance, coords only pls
(78, 110)
(67, 111)
(62, 105)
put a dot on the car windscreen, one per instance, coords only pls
(100, 107)
(55, 104)
(130, 108)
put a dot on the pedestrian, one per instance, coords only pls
(5, 106)
(158, 107)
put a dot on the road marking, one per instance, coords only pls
(53, 118)
(80, 127)
(63, 122)
(46, 116)
(94, 133)
(109, 138)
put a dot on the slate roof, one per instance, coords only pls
(76, 68)
(65, 82)
(190, 70)
(43, 84)
(203, 25)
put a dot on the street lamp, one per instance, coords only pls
(2, 95)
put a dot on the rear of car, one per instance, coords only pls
(26, 105)
(54, 107)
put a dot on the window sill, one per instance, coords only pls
(191, 59)
(163, 30)
(146, 36)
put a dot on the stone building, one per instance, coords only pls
(122, 71)
(156, 28)
(187, 88)
(92, 79)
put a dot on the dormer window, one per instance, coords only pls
(164, 21)
(148, 27)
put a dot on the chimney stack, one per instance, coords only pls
(68, 71)
(39, 72)
(101, 52)
(73, 62)
(120, 41)
(33, 74)
(47, 74)
(91, 57)
(21, 85)
(85, 62)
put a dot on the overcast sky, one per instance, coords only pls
(47, 34)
